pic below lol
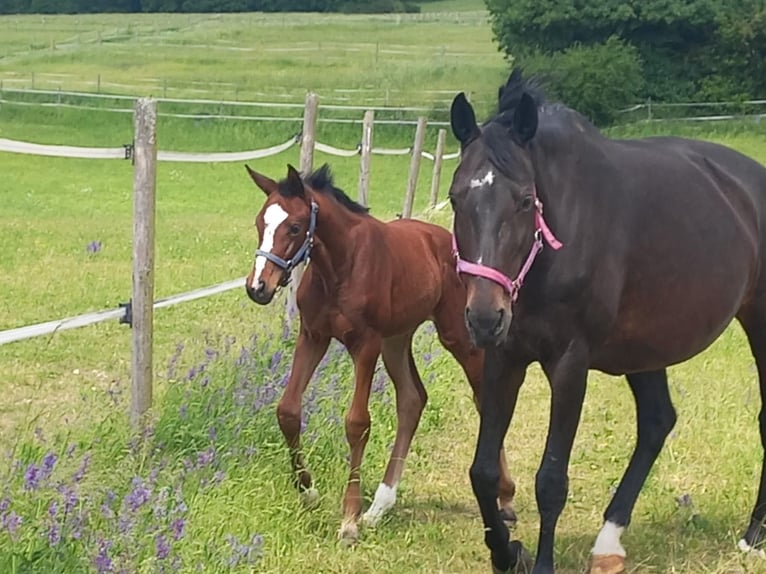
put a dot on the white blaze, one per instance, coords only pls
(608, 541)
(272, 219)
(488, 178)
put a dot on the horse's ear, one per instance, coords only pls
(294, 182)
(463, 120)
(267, 185)
(525, 118)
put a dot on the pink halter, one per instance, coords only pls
(512, 286)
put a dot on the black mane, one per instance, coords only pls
(510, 94)
(321, 180)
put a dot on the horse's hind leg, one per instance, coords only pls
(754, 324)
(410, 400)
(454, 336)
(655, 416)
(308, 352)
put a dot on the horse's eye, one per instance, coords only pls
(526, 203)
(295, 229)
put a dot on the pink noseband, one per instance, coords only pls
(512, 286)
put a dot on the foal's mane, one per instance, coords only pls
(321, 181)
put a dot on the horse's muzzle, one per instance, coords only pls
(488, 327)
(260, 294)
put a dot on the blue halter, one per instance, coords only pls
(303, 253)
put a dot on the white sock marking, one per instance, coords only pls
(273, 218)
(488, 178)
(608, 540)
(385, 497)
(747, 549)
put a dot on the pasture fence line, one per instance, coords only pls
(138, 312)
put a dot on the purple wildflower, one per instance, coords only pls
(138, 496)
(53, 509)
(205, 457)
(70, 500)
(162, 546)
(275, 360)
(54, 534)
(93, 247)
(103, 562)
(4, 504)
(218, 477)
(212, 433)
(177, 527)
(32, 477)
(12, 521)
(80, 474)
(49, 461)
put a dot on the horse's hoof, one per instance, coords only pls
(607, 564)
(747, 549)
(522, 562)
(509, 517)
(310, 498)
(348, 535)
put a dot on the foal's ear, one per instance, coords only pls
(463, 120)
(525, 119)
(266, 184)
(294, 183)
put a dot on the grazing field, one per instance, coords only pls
(209, 488)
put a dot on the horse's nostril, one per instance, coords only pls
(261, 286)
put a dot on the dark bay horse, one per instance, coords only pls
(644, 253)
(369, 285)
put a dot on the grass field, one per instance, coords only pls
(209, 490)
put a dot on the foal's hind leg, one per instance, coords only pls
(454, 336)
(655, 417)
(365, 353)
(410, 400)
(754, 324)
(308, 352)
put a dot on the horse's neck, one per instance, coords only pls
(335, 225)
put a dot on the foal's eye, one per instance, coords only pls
(295, 229)
(526, 203)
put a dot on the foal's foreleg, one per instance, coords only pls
(365, 354)
(410, 400)
(655, 417)
(308, 352)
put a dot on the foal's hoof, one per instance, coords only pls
(521, 560)
(348, 535)
(509, 517)
(309, 498)
(607, 564)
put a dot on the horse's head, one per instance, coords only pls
(286, 225)
(494, 201)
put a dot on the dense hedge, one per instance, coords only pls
(668, 50)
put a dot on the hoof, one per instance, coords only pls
(747, 549)
(310, 498)
(348, 535)
(607, 564)
(509, 516)
(521, 560)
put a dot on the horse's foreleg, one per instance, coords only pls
(501, 382)
(568, 376)
(365, 355)
(308, 352)
(410, 400)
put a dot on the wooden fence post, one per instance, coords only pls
(142, 302)
(308, 140)
(412, 180)
(366, 153)
(437, 173)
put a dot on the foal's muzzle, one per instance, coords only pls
(260, 293)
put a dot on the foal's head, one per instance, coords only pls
(286, 224)
(493, 197)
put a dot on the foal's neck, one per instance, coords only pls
(335, 224)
